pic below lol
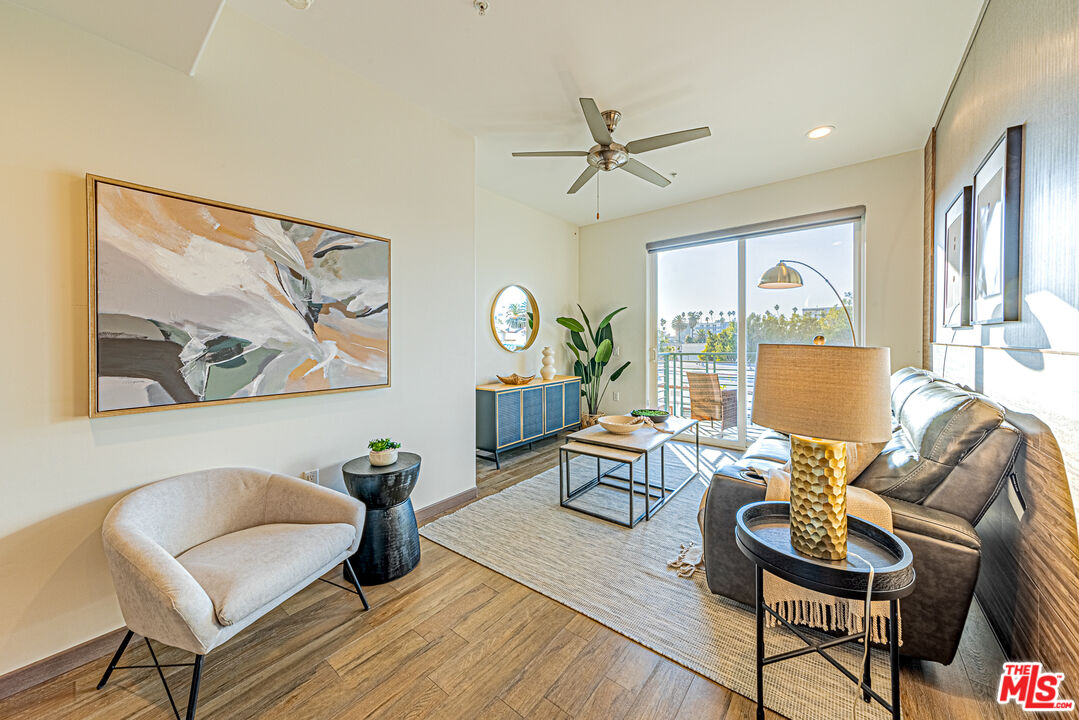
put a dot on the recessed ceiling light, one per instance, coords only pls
(818, 132)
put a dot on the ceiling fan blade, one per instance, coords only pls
(585, 177)
(595, 121)
(644, 172)
(553, 153)
(661, 141)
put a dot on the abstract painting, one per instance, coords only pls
(997, 223)
(195, 302)
(957, 261)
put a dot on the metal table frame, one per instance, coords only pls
(628, 485)
(792, 568)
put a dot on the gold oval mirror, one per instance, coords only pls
(514, 318)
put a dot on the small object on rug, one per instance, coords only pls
(690, 558)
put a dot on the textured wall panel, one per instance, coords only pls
(1023, 68)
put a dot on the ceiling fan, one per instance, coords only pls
(609, 155)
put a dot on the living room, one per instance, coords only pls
(311, 238)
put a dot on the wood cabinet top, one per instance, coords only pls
(536, 382)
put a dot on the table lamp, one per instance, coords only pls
(822, 396)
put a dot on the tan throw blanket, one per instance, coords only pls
(816, 610)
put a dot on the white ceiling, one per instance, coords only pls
(760, 74)
(169, 31)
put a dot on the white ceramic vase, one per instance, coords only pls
(547, 371)
(380, 458)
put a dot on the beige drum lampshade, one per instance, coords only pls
(822, 391)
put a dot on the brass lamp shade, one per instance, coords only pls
(780, 277)
(819, 391)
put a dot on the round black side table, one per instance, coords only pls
(390, 545)
(762, 533)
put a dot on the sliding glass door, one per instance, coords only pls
(709, 315)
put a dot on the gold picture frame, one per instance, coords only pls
(499, 328)
(250, 240)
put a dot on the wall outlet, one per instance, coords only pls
(310, 476)
(617, 396)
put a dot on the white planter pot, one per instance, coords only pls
(380, 458)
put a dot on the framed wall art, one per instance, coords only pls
(196, 302)
(998, 189)
(957, 232)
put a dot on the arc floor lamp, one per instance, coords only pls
(782, 276)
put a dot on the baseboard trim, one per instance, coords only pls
(424, 515)
(55, 665)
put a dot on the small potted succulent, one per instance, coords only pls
(383, 451)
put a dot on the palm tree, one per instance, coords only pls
(515, 313)
(678, 324)
(710, 314)
(694, 317)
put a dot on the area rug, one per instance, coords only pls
(619, 577)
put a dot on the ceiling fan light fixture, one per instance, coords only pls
(820, 131)
(300, 4)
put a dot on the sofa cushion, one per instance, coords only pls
(945, 422)
(905, 382)
(770, 447)
(244, 570)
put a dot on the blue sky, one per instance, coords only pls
(706, 277)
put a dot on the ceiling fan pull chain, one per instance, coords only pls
(597, 198)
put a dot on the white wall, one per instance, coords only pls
(265, 124)
(613, 264)
(516, 244)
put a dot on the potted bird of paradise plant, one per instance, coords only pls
(592, 351)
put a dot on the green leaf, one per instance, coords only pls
(571, 324)
(603, 352)
(581, 371)
(585, 316)
(607, 320)
(604, 333)
(618, 372)
(574, 350)
(578, 340)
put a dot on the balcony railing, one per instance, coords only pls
(673, 386)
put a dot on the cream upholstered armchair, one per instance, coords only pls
(197, 558)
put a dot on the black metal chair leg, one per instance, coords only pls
(193, 698)
(354, 579)
(115, 659)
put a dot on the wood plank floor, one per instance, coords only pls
(455, 640)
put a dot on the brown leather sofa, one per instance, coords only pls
(950, 452)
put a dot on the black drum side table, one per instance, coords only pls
(390, 545)
(763, 535)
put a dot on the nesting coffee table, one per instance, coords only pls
(624, 451)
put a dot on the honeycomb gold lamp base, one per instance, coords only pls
(819, 497)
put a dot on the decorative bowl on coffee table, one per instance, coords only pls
(656, 416)
(621, 424)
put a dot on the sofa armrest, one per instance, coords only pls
(728, 571)
(936, 524)
(947, 557)
(291, 500)
(158, 597)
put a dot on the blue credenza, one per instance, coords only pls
(509, 416)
